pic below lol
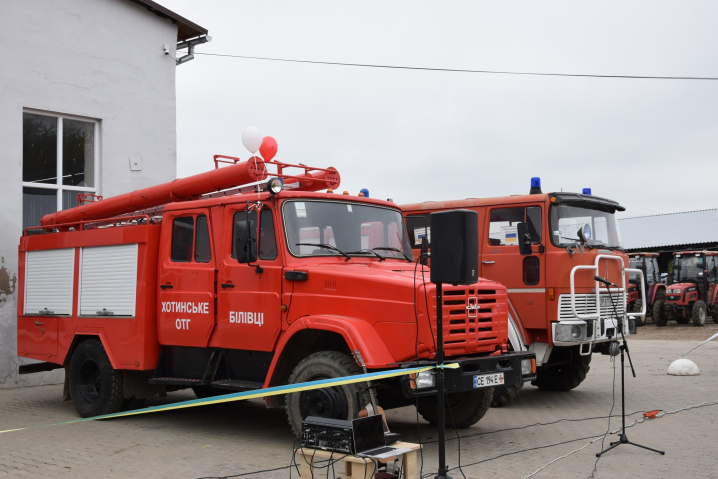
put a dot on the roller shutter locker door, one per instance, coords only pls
(108, 280)
(48, 281)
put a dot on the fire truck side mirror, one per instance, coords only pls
(245, 241)
(524, 238)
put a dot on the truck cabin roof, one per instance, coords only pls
(705, 252)
(556, 198)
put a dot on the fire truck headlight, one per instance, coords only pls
(570, 332)
(274, 186)
(425, 379)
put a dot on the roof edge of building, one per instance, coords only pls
(668, 214)
(186, 29)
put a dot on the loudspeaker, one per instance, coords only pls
(455, 247)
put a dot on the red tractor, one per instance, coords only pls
(692, 291)
(655, 290)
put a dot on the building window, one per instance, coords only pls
(59, 161)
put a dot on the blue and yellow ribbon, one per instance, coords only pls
(257, 393)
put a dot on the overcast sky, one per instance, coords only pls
(416, 136)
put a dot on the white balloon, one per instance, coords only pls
(252, 138)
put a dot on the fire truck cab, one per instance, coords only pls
(547, 249)
(232, 290)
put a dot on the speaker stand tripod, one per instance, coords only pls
(623, 439)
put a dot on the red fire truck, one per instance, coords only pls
(193, 284)
(547, 249)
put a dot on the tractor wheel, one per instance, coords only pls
(505, 394)
(338, 402)
(563, 377)
(714, 313)
(95, 387)
(659, 313)
(637, 306)
(699, 313)
(461, 410)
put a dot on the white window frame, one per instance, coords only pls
(58, 186)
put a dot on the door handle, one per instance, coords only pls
(165, 286)
(227, 285)
(39, 323)
(488, 262)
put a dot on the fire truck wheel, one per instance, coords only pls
(659, 313)
(699, 313)
(467, 408)
(564, 377)
(339, 402)
(505, 394)
(95, 387)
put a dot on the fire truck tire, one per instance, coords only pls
(95, 387)
(466, 408)
(565, 376)
(505, 394)
(659, 313)
(699, 313)
(339, 402)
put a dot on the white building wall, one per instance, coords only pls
(100, 59)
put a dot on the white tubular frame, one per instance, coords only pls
(599, 290)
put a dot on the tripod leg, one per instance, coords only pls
(613, 445)
(645, 447)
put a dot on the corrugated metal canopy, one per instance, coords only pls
(690, 227)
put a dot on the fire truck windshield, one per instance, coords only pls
(567, 219)
(353, 228)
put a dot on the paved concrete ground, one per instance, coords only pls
(242, 437)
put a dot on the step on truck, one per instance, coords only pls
(547, 249)
(232, 280)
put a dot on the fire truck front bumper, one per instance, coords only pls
(472, 373)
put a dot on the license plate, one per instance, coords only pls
(488, 380)
(606, 303)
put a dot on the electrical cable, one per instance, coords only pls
(613, 404)
(461, 70)
(458, 438)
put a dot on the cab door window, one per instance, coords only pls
(190, 240)
(267, 237)
(503, 221)
(241, 216)
(182, 239)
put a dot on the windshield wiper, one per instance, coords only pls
(576, 239)
(385, 248)
(327, 246)
(381, 258)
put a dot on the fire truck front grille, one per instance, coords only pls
(586, 304)
(470, 315)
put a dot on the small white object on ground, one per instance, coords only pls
(683, 367)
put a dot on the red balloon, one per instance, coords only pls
(268, 148)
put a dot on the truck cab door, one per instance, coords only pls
(523, 276)
(186, 278)
(249, 297)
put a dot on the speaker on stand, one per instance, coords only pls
(454, 260)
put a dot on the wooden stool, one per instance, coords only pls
(357, 467)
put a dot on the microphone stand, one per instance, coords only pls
(622, 439)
